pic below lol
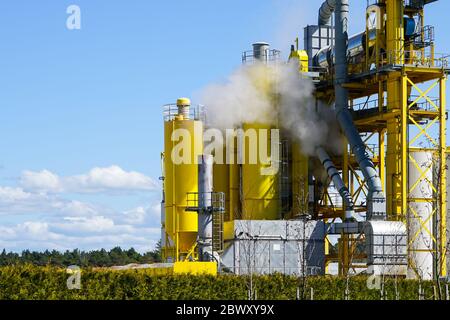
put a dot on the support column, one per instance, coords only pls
(443, 177)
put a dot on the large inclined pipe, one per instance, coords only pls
(333, 173)
(325, 12)
(376, 200)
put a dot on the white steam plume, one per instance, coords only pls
(248, 96)
(238, 100)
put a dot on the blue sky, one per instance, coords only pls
(80, 110)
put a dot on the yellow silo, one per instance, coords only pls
(221, 183)
(183, 143)
(260, 191)
(226, 180)
(259, 194)
(300, 188)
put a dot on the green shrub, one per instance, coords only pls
(41, 283)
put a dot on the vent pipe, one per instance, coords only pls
(183, 105)
(261, 51)
(376, 201)
(205, 217)
(333, 173)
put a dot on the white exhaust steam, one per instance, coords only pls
(273, 95)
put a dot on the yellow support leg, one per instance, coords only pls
(443, 181)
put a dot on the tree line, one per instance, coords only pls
(96, 258)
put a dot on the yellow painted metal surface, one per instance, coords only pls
(183, 102)
(182, 267)
(226, 180)
(259, 193)
(180, 179)
(195, 268)
(300, 192)
(228, 230)
(221, 183)
(395, 31)
(302, 57)
(443, 176)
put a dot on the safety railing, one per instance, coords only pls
(271, 55)
(417, 58)
(217, 201)
(427, 105)
(371, 104)
(424, 38)
(412, 4)
(170, 111)
(416, 4)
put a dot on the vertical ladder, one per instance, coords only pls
(218, 217)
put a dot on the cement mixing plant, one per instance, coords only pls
(354, 169)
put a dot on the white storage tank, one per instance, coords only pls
(420, 215)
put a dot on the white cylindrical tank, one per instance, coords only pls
(420, 215)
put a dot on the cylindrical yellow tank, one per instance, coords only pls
(235, 188)
(221, 183)
(181, 178)
(226, 180)
(300, 188)
(259, 193)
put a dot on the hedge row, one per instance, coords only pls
(32, 282)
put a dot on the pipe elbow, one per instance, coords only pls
(325, 12)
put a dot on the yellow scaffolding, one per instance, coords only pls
(394, 117)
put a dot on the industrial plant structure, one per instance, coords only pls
(386, 86)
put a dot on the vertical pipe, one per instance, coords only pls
(205, 213)
(376, 202)
(261, 51)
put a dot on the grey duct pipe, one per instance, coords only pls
(325, 12)
(333, 173)
(376, 200)
(205, 218)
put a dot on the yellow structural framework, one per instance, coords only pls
(403, 123)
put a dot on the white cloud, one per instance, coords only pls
(97, 180)
(36, 216)
(41, 181)
(97, 224)
(149, 215)
(15, 201)
(12, 195)
(82, 233)
(135, 216)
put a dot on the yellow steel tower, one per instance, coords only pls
(397, 91)
(401, 69)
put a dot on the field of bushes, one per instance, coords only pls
(48, 282)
